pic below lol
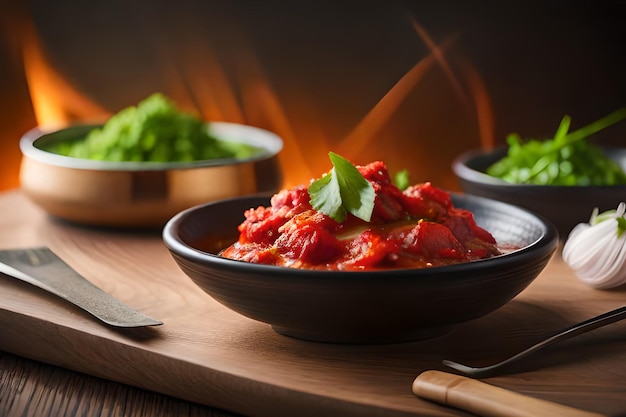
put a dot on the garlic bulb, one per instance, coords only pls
(596, 251)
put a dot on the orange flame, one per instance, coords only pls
(367, 130)
(201, 84)
(485, 119)
(55, 101)
(247, 96)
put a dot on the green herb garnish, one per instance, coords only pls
(401, 179)
(597, 218)
(566, 159)
(153, 131)
(342, 190)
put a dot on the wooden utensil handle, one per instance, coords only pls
(486, 400)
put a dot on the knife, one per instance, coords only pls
(44, 269)
(485, 399)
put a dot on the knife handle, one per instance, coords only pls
(486, 400)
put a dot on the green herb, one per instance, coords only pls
(597, 218)
(342, 190)
(621, 226)
(566, 159)
(153, 131)
(401, 179)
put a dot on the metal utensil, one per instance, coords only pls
(44, 269)
(567, 333)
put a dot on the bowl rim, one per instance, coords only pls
(233, 132)
(544, 245)
(464, 172)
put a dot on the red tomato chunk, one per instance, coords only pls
(415, 228)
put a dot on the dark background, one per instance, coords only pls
(538, 61)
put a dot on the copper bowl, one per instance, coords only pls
(141, 194)
(383, 306)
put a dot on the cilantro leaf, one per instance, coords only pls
(326, 197)
(343, 190)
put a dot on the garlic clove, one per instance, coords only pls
(596, 251)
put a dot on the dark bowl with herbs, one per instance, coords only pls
(562, 179)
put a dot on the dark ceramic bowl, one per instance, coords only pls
(564, 206)
(360, 307)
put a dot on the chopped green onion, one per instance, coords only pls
(567, 159)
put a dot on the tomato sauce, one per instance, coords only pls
(418, 227)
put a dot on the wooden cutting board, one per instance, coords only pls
(208, 354)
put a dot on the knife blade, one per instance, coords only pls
(42, 268)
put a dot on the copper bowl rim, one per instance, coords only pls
(235, 132)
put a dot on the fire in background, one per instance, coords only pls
(412, 84)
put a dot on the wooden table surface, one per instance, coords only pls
(56, 360)
(33, 388)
